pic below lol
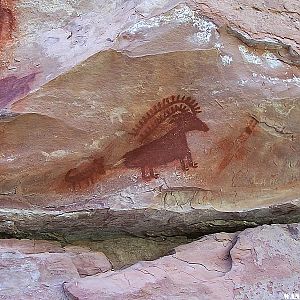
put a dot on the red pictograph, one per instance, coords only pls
(181, 113)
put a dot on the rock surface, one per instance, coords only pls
(158, 119)
(260, 263)
(53, 37)
(76, 147)
(37, 269)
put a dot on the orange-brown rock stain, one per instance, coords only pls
(7, 21)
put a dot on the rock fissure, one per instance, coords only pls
(199, 264)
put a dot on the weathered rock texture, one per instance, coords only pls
(260, 263)
(74, 154)
(37, 269)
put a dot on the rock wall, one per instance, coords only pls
(100, 140)
(128, 128)
(257, 263)
(187, 111)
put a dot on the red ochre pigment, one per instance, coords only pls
(7, 21)
(181, 112)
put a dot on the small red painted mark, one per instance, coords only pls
(235, 149)
(7, 21)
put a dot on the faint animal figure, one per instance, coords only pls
(171, 146)
(85, 173)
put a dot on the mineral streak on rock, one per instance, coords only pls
(12, 88)
(7, 21)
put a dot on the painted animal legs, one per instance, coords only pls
(150, 174)
(90, 181)
(184, 166)
(190, 160)
(144, 176)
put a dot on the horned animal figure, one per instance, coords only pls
(171, 146)
(85, 173)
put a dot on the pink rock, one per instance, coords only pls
(30, 246)
(34, 276)
(37, 269)
(259, 263)
(265, 262)
(87, 262)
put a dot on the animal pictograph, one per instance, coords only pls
(181, 114)
(85, 173)
(161, 112)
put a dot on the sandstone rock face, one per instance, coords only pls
(36, 269)
(98, 146)
(260, 263)
(161, 120)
